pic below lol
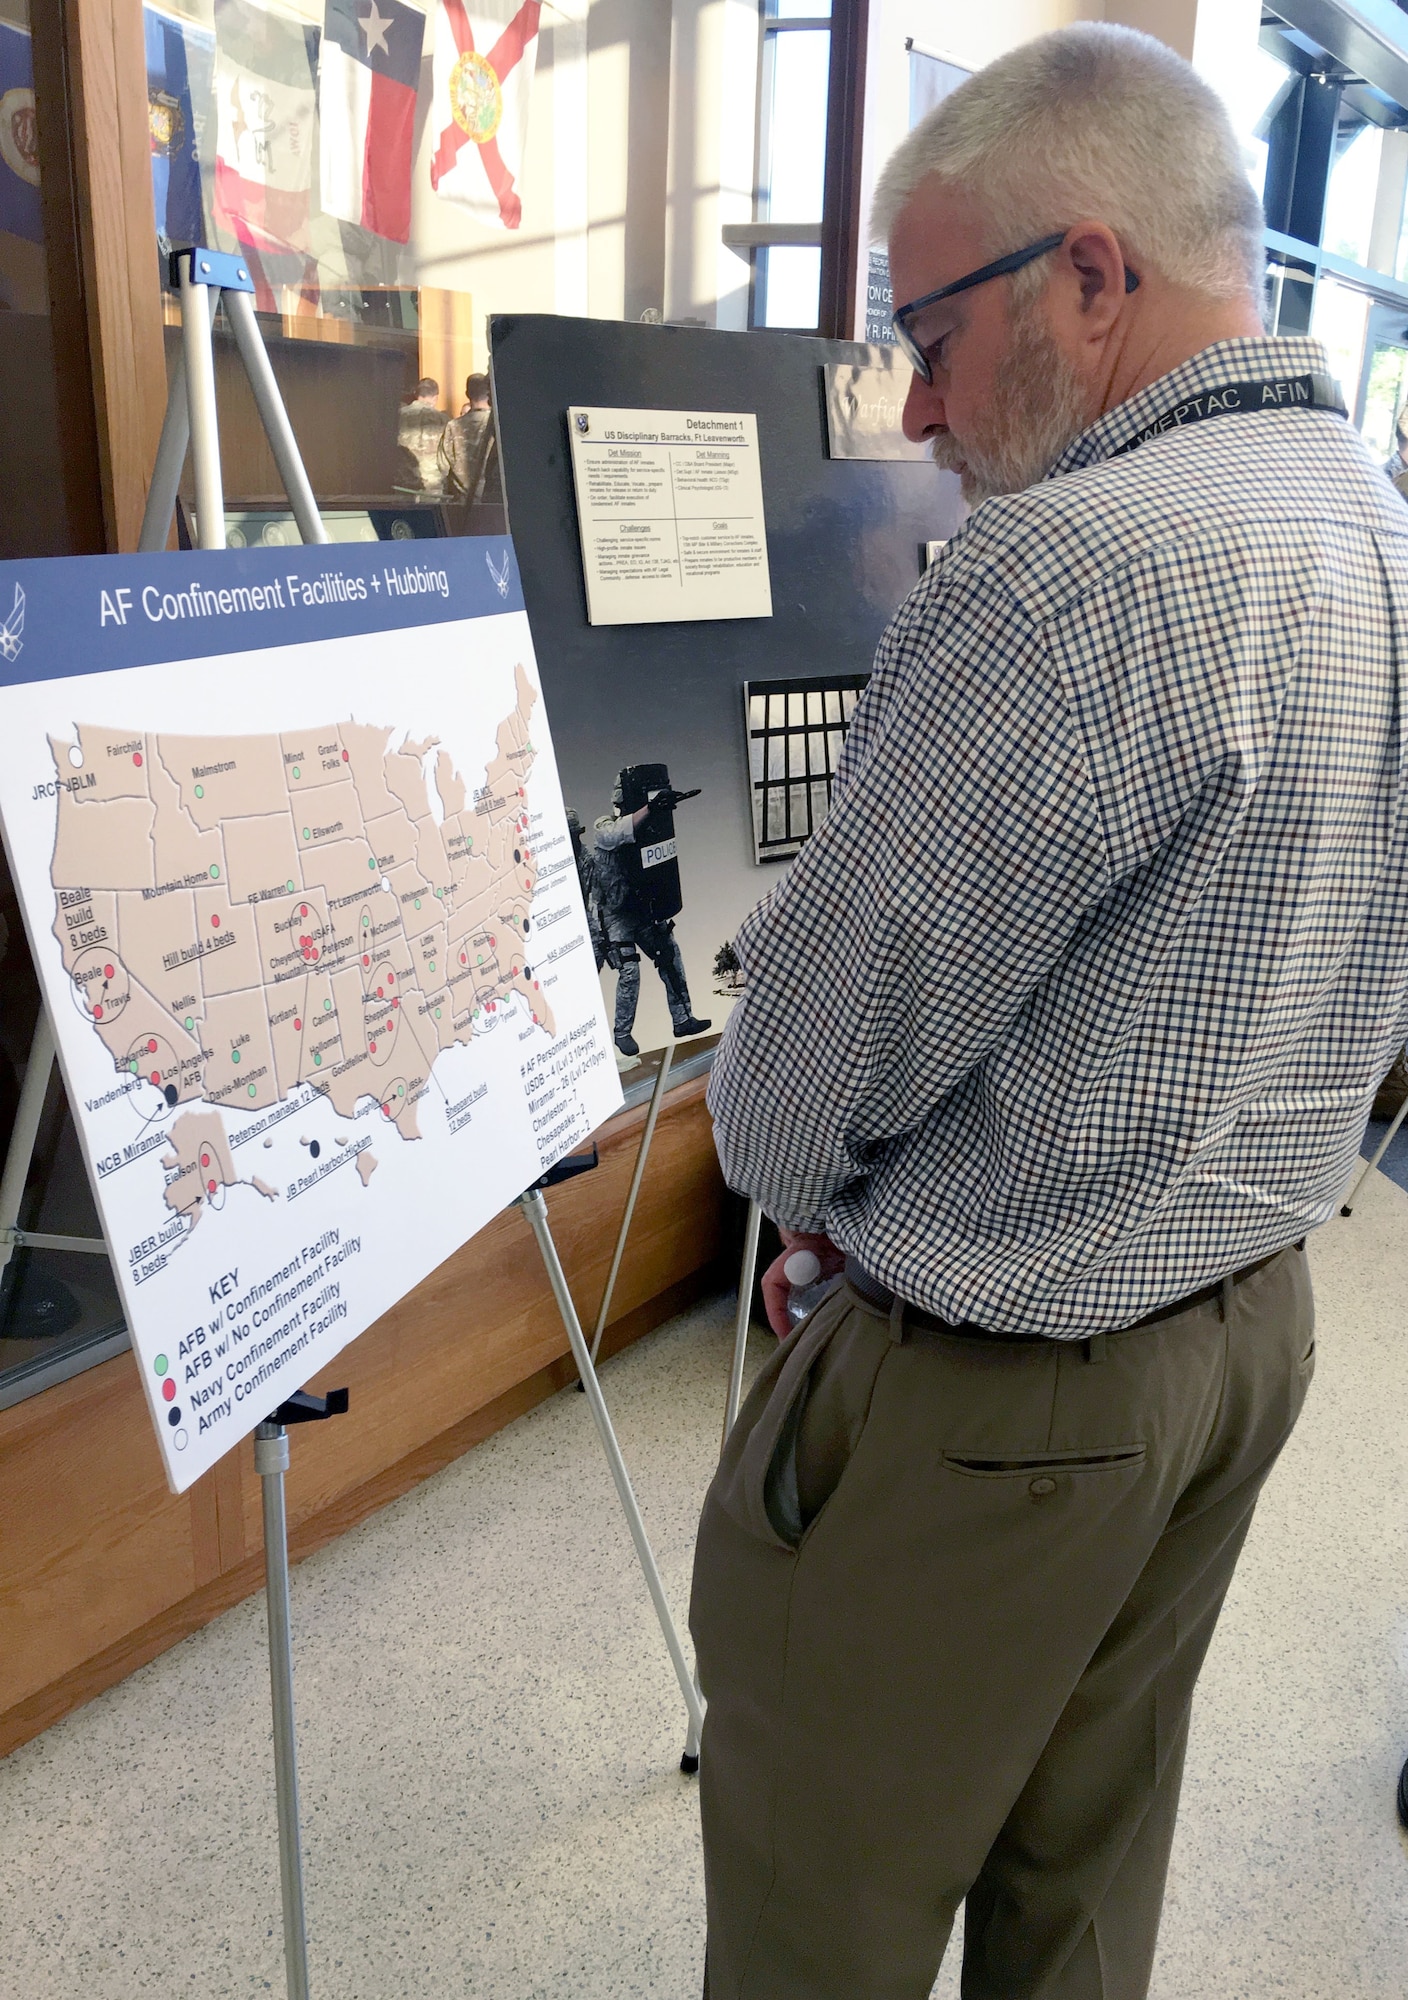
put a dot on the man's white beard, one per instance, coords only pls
(1039, 404)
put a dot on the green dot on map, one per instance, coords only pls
(234, 1055)
(253, 1089)
(327, 1006)
(200, 791)
(437, 1013)
(480, 959)
(372, 862)
(417, 902)
(289, 887)
(317, 1062)
(306, 834)
(214, 872)
(296, 771)
(439, 892)
(161, 1364)
(476, 1013)
(190, 1024)
(400, 1090)
(133, 1067)
(432, 965)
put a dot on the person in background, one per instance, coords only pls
(1060, 1034)
(418, 432)
(467, 444)
(1397, 466)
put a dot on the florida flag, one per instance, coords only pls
(368, 71)
(484, 56)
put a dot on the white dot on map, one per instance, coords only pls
(267, 1144)
(386, 882)
(75, 756)
(180, 1440)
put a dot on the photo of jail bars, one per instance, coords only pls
(795, 732)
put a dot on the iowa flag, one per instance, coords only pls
(484, 56)
(368, 71)
(265, 71)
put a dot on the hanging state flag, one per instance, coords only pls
(19, 138)
(266, 68)
(484, 56)
(180, 82)
(368, 73)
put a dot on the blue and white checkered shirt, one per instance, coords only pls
(1078, 999)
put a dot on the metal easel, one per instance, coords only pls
(535, 1208)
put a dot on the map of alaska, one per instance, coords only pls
(243, 916)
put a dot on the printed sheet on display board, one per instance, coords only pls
(287, 833)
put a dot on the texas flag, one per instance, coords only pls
(368, 72)
(484, 56)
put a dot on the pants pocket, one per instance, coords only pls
(753, 1483)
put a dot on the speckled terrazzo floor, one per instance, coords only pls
(490, 1731)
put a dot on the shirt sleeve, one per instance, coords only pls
(962, 851)
(621, 834)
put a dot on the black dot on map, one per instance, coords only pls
(173, 1415)
(171, 1093)
(314, 1148)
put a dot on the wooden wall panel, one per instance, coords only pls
(92, 1542)
(101, 1568)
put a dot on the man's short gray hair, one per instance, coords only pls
(1093, 123)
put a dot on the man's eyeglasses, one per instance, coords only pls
(915, 334)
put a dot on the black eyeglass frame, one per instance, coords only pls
(1001, 267)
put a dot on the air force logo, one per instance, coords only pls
(500, 576)
(10, 640)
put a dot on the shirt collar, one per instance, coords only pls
(1247, 359)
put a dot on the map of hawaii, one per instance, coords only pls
(246, 916)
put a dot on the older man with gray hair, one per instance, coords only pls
(1116, 870)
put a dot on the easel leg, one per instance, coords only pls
(657, 1096)
(747, 1273)
(1384, 1144)
(536, 1210)
(21, 1148)
(271, 1463)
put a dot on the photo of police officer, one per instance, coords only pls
(634, 895)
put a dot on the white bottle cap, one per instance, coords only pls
(802, 1268)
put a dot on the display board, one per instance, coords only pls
(286, 830)
(843, 540)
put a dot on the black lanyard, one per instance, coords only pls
(1240, 399)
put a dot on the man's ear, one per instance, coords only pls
(1097, 263)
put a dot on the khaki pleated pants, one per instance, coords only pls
(950, 1600)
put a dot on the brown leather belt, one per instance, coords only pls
(883, 1300)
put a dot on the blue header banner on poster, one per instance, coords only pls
(96, 614)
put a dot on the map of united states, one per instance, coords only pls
(246, 917)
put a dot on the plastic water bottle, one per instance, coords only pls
(803, 1273)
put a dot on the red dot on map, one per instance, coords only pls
(168, 1389)
(366, 958)
(156, 1077)
(316, 953)
(372, 1047)
(97, 1013)
(205, 1159)
(344, 756)
(379, 994)
(463, 959)
(297, 1024)
(391, 979)
(210, 1187)
(137, 758)
(107, 972)
(520, 791)
(492, 943)
(303, 909)
(396, 1003)
(216, 922)
(151, 1048)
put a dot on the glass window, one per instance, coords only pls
(1253, 97)
(789, 285)
(1339, 317)
(794, 183)
(1385, 391)
(1353, 188)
